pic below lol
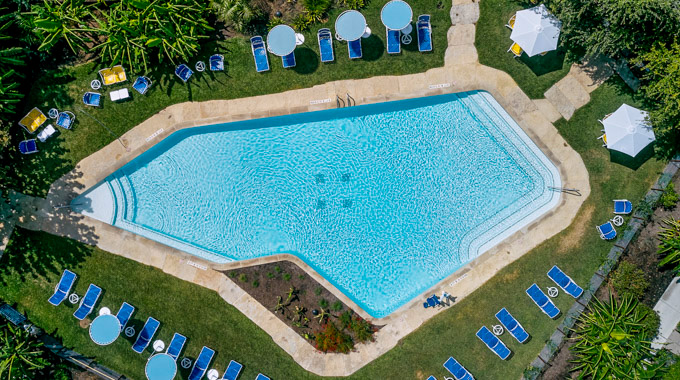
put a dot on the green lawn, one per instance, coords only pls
(33, 261)
(534, 75)
(64, 88)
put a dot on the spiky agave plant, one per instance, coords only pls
(611, 342)
(670, 243)
(20, 354)
(237, 13)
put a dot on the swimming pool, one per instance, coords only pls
(383, 200)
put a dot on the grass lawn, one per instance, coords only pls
(533, 75)
(33, 261)
(64, 88)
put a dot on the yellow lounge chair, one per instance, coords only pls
(516, 50)
(119, 72)
(108, 77)
(511, 22)
(604, 139)
(33, 120)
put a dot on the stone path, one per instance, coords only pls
(668, 308)
(461, 72)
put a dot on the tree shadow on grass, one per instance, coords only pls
(545, 64)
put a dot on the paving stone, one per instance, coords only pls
(591, 74)
(465, 13)
(460, 55)
(461, 34)
(560, 102)
(548, 110)
(574, 91)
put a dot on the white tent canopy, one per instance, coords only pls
(536, 30)
(627, 131)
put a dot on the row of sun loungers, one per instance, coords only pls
(621, 207)
(34, 119)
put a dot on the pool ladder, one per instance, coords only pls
(565, 190)
(339, 102)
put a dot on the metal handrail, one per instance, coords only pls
(350, 101)
(565, 190)
(339, 101)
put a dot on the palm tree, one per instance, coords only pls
(610, 342)
(21, 356)
(237, 13)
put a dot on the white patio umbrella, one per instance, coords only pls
(627, 131)
(536, 30)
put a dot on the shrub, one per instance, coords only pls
(315, 10)
(630, 280)
(353, 4)
(331, 339)
(317, 291)
(233, 274)
(670, 243)
(669, 198)
(243, 277)
(301, 23)
(651, 322)
(673, 372)
(323, 303)
(274, 21)
(256, 284)
(287, 276)
(270, 275)
(278, 269)
(337, 306)
(301, 276)
(363, 330)
(346, 319)
(238, 13)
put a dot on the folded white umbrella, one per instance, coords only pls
(627, 131)
(536, 30)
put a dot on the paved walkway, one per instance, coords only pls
(668, 308)
(461, 72)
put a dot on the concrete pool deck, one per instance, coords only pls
(461, 72)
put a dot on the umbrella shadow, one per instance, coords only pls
(632, 162)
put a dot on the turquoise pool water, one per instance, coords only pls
(383, 200)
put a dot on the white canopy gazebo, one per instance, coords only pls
(627, 131)
(535, 30)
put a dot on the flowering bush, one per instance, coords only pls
(331, 339)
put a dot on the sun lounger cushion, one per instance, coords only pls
(201, 364)
(261, 377)
(64, 286)
(142, 85)
(457, 370)
(494, 344)
(259, 54)
(542, 301)
(88, 302)
(622, 206)
(354, 49)
(46, 133)
(424, 33)
(119, 72)
(326, 45)
(33, 120)
(92, 99)
(65, 119)
(183, 72)
(216, 62)
(233, 370)
(176, 345)
(289, 61)
(607, 231)
(393, 43)
(28, 146)
(145, 336)
(514, 328)
(124, 314)
(565, 282)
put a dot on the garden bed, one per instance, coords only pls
(303, 304)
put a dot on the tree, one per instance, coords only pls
(237, 13)
(21, 355)
(55, 20)
(661, 86)
(610, 342)
(615, 28)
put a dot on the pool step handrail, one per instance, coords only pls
(339, 102)
(350, 101)
(565, 190)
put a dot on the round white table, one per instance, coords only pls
(158, 345)
(105, 329)
(212, 374)
(104, 310)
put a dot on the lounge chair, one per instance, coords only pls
(108, 77)
(516, 50)
(33, 120)
(145, 336)
(494, 344)
(604, 140)
(424, 33)
(142, 85)
(92, 99)
(261, 377)
(66, 119)
(183, 72)
(259, 53)
(46, 133)
(325, 45)
(176, 345)
(622, 206)
(233, 370)
(62, 289)
(393, 44)
(87, 303)
(354, 48)
(512, 325)
(565, 282)
(542, 301)
(457, 370)
(511, 22)
(216, 62)
(119, 72)
(431, 377)
(124, 314)
(607, 231)
(289, 60)
(28, 147)
(201, 364)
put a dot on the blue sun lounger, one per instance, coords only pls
(431, 378)
(512, 325)
(393, 44)
(457, 370)
(259, 53)
(354, 48)
(65, 119)
(607, 231)
(288, 61)
(65, 284)
(201, 364)
(494, 344)
(622, 206)
(261, 377)
(92, 99)
(124, 314)
(176, 345)
(325, 45)
(87, 303)
(142, 85)
(233, 370)
(216, 62)
(183, 72)
(145, 336)
(542, 301)
(424, 33)
(565, 282)
(28, 147)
